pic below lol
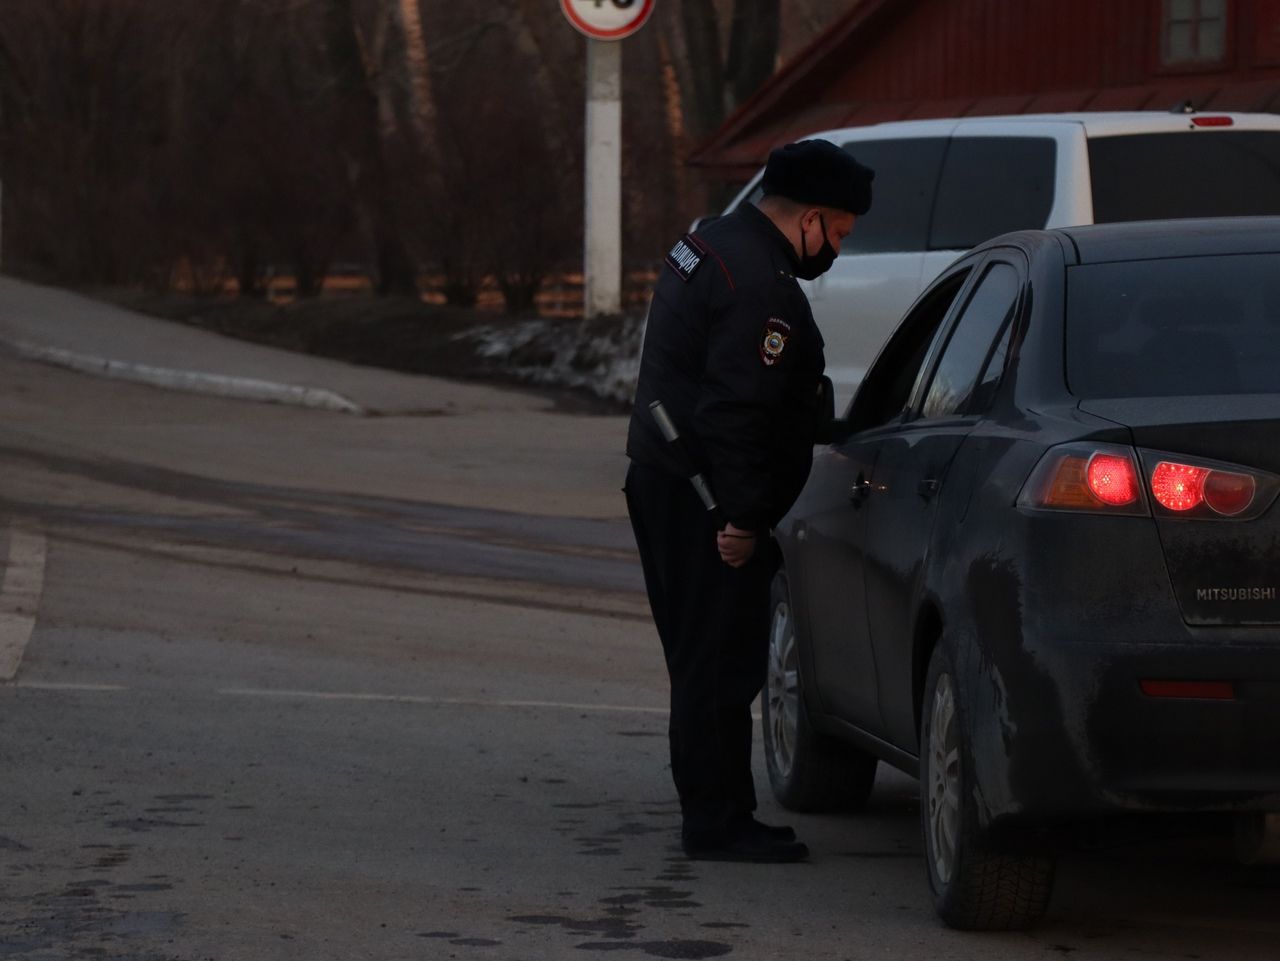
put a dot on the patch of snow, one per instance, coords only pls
(600, 356)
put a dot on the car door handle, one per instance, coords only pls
(859, 492)
(928, 487)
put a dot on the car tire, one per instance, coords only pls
(975, 887)
(808, 771)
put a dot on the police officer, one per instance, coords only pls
(732, 351)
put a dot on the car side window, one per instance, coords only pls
(890, 383)
(991, 185)
(968, 373)
(902, 195)
(984, 394)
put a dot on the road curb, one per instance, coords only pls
(196, 382)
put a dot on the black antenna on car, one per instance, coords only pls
(1185, 107)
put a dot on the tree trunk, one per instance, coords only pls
(249, 272)
(674, 112)
(753, 48)
(370, 110)
(396, 273)
(701, 29)
(566, 111)
(520, 291)
(308, 275)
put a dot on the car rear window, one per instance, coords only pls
(1181, 326)
(1200, 173)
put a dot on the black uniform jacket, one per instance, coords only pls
(733, 353)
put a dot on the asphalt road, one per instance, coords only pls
(303, 685)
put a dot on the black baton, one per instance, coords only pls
(672, 436)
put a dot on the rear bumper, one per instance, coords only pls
(1055, 625)
(1090, 741)
(1190, 752)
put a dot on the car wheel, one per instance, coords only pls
(974, 887)
(808, 771)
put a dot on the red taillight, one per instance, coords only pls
(1112, 479)
(1178, 487)
(1096, 478)
(1229, 493)
(1103, 478)
(1212, 121)
(1184, 487)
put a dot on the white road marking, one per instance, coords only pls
(449, 701)
(20, 596)
(357, 696)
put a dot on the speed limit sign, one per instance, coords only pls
(607, 19)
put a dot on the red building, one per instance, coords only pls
(912, 59)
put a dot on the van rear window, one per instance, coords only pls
(1189, 326)
(1197, 173)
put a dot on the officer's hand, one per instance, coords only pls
(735, 545)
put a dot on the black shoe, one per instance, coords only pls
(781, 832)
(751, 847)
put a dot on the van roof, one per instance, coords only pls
(1098, 124)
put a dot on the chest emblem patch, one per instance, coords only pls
(685, 257)
(774, 341)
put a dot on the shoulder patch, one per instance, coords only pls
(774, 340)
(686, 256)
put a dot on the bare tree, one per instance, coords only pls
(508, 196)
(80, 101)
(196, 142)
(716, 75)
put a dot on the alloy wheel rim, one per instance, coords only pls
(783, 689)
(944, 780)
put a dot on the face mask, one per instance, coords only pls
(815, 264)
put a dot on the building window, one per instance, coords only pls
(1194, 32)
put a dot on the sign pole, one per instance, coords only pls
(604, 23)
(603, 175)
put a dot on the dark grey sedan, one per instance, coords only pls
(1040, 567)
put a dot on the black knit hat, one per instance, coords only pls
(820, 173)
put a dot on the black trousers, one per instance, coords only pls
(714, 624)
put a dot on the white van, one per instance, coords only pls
(943, 186)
